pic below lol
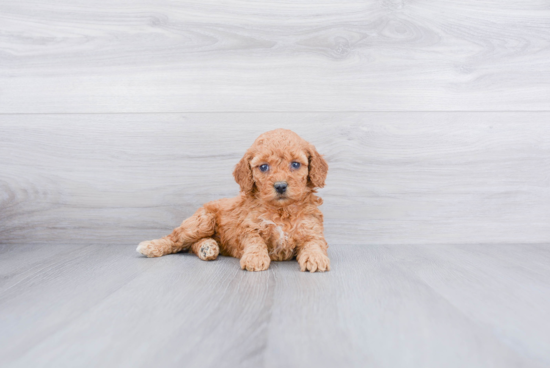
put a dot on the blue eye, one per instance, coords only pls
(296, 165)
(264, 167)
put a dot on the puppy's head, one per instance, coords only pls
(280, 168)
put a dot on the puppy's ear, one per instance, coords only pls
(318, 168)
(243, 174)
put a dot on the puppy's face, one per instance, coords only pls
(280, 175)
(280, 168)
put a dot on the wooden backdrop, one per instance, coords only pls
(119, 118)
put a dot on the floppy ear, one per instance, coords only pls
(243, 174)
(318, 168)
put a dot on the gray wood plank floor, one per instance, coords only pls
(380, 306)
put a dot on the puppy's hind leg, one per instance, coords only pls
(206, 249)
(200, 225)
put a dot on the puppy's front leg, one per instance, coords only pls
(312, 256)
(255, 256)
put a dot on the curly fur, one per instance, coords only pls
(261, 225)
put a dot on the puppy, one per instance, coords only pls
(274, 218)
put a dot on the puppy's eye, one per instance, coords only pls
(296, 165)
(264, 167)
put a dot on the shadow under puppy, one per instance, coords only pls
(275, 217)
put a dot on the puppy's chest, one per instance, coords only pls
(280, 237)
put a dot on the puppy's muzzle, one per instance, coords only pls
(280, 186)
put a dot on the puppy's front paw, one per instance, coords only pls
(255, 261)
(314, 261)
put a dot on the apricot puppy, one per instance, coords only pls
(274, 218)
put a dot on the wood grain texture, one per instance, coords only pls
(119, 118)
(394, 178)
(380, 306)
(185, 56)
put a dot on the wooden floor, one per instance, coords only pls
(380, 306)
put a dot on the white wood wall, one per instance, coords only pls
(119, 118)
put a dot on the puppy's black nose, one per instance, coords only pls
(280, 186)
